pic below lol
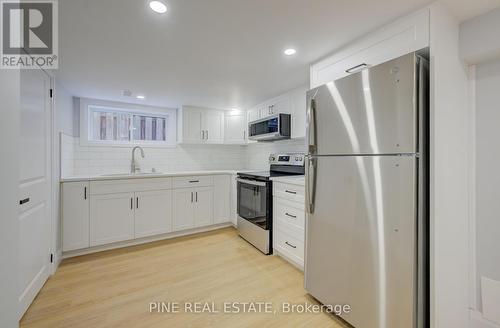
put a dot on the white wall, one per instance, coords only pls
(9, 184)
(449, 208)
(64, 119)
(479, 39)
(487, 107)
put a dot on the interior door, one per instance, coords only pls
(153, 213)
(111, 218)
(204, 209)
(183, 217)
(361, 238)
(34, 185)
(214, 126)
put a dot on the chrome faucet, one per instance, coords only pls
(135, 166)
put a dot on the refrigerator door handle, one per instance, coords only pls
(311, 184)
(311, 127)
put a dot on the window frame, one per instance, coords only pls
(90, 105)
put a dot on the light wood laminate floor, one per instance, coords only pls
(115, 288)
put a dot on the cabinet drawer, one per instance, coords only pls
(129, 185)
(291, 213)
(289, 246)
(291, 192)
(193, 181)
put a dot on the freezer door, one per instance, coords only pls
(361, 238)
(370, 112)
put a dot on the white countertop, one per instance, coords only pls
(123, 176)
(295, 180)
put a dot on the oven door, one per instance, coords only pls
(253, 202)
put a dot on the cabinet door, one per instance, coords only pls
(281, 105)
(75, 215)
(183, 217)
(235, 128)
(191, 125)
(153, 213)
(204, 207)
(213, 124)
(253, 114)
(111, 218)
(222, 198)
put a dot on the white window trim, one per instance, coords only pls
(86, 103)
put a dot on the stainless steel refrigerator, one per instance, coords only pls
(366, 186)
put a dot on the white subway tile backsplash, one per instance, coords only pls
(84, 160)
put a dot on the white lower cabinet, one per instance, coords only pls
(193, 207)
(153, 213)
(204, 207)
(289, 222)
(183, 209)
(75, 213)
(103, 212)
(111, 218)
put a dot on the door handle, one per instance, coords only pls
(196, 197)
(191, 196)
(311, 184)
(85, 193)
(131, 203)
(137, 202)
(207, 134)
(311, 127)
(356, 68)
(290, 215)
(24, 201)
(292, 246)
(291, 192)
(194, 181)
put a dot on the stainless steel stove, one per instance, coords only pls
(255, 199)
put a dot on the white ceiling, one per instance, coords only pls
(212, 53)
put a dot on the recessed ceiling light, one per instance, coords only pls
(158, 6)
(140, 97)
(290, 51)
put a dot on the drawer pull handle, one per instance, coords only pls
(24, 201)
(291, 192)
(194, 181)
(292, 246)
(290, 215)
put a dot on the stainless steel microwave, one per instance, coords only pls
(270, 128)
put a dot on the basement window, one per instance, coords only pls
(115, 126)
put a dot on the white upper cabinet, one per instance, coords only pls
(407, 34)
(235, 128)
(197, 125)
(292, 102)
(213, 125)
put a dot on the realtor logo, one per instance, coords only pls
(29, 34)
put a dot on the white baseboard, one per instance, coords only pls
(145, 240)
(477, 321)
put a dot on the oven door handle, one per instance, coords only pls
(251, 182)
